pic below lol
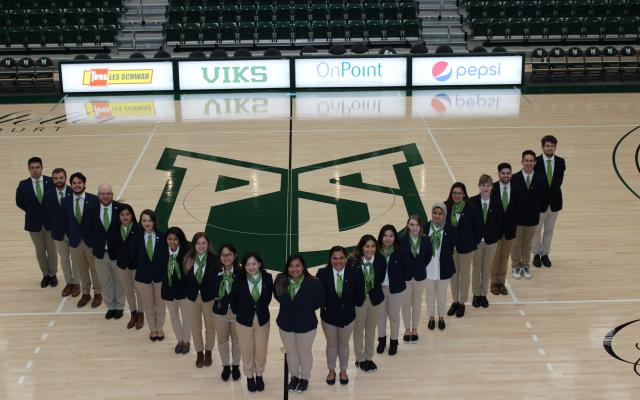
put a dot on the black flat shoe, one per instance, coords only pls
(259, 383)
(536, 261)
(431, 325)
(53, 280)
(235, 372)
(302, 386)
(406, 339)
(484, 302)
(452, 309)
(117, 314)
(545, 261)
(178, 348)
(344, 381)
(293, 384)
(441, 324)
(393, 347)
(185, 348)
(251, 385)
(476, 302)
(44, 282)
(226, 373)
(414, 339)
(382, 344)
(160, 338)
(460, 311)
(153, 338)
(331, 382)
(372, 366)
(109, 314)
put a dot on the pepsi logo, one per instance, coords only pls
(440, 103)
(441, 71)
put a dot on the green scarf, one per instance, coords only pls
(227, 278)
(173, 266)
(436, 237)
(415, 245)
(254, 281)
(293, 286)
(456, 209)
(387, 253)
(201, 263)
(369, 276)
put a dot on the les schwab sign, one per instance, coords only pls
(116, 77)
(234, 74)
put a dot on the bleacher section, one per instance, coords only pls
(553, 21)
(592, 63)
(55, 23)
(285, 23)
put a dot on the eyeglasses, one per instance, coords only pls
(226, 254)
(458, 193)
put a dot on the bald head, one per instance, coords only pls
(105, 194)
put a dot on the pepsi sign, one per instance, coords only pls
(467, 71)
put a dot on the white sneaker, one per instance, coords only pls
(525, 272)
(516, 273)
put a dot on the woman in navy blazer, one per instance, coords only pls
(300, 295)
(343, 291)
(226, 270)
(441, 266)
(373, 268)
(199, 268)
(417, 249)
(126, 273)
(250, 297)
(465, 219)
(393, 287)
(147, 252)
(174, 291)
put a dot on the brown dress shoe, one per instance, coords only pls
(67, 290)
(139, 320)
(84, 300)
(133, 320)
(75, 290)
(97, 300)
(207, 358)
(200, 359)
(494, 289)
(503, 290)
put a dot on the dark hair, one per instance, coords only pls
(245, 258)
(504, 165)
(236, 263)
(59, 171)
(336, 249)
(282, 280)
(416, 218)
(78, 175)
(182, 238)
(465, 198)
(35, 160)
(190, 257)
(529, 153)
(151, 215)
(484, 178)
(357, 252)
(549, 138)
(125, 206)
(383, 230)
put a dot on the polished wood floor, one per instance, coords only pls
(545, 341)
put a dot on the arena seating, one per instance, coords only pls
(592, 63)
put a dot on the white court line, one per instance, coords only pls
(512, 293)
(542, 352)
(135, 165)
(521, 311)
(535, 338)
(36, 350)
(528, 324)
(61, 305)
(51, 323)
(29, 364)
(21, 379)
(44, 337)
(549, 367)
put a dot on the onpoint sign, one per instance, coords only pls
(351, 72)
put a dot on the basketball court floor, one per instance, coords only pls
(281, 173)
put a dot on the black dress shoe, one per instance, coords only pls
(432, 324)
(476, 301)
(460, 311)
(331, 382)
(117, 314)
(44, 282)
(536, 261)
(53, 281)
(259, 383)
(372, 366)
(302, 386)
(251, 385)
(293, 383)
(235, 372)
(393, 348)
(484, 302)
(186, 347)
(382, 344)
(160, 338)
(452, 309)
(109, 314)
(414, 339)
(226, 373)
(344, 381)
(441, 324)
(363, 366)
(545, 261)
(178, 348)
(406, 338)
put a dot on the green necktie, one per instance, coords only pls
(436, 237)
(485, 210)
(173, 264)
(39, 191)
(201, 262)
(106, 221)
(124, 232)
(387, 253)
(150, 246)
(505, 199)
(78, 211)
(60, 197)
(369, 274)
(339, 286)
(528, 182)
(549, 172)
(293, 286)
(255, 290)
(456, 209)
(415, 246)
(227, 278)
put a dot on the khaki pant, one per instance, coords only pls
(254, 342)
(112, 292)
(482, 258)
(62, 247)
(179, 320)
(84, 267)
(521, 250)
(45, 252)
(412, 305)
(390, 310)
(299, 352)
(152, 304)
(337, 344)
(364, 330)
(436, 293)
(462, 278)
(500, 261)
(127, 279)
(197, 311)
(544, 232)
(225, 330)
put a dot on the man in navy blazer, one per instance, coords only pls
(30, 199)
(552, 167)
(77, 212)
(53, 200)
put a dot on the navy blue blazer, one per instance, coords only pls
(299, 315)
(490, 230)
(26, 200)
(55, 220)
(101, 237)
(242, 303)
(124, 254)
(207, 287)
(447, 266)
(418, 265)
(510, 217)
(469, 229)
(221, 306)
(376, 295)
(82, 231)
(530, 208)
(178, 288)
(148, 271)
(553, 194)
(341, 311)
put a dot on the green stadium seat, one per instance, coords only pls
(3, 19)
(69, 35)
(247, 13)
(336, 12)
(107, 34)
(300, 13)
(246, 31)
(88, 34)
(412, 28)
(372, 11)
(633, 8)
(265, 13)
(475, 12)
(593, 27)
(228, 31)
(283, 31)
(599, 8)
(90, 16)
(229, 13)
(51, 35)
(393, 29)
(581, 8)
(109, 16)
(209, 32)
(301, 31)
(33, 35)
(564, 9)
(17, 36)
(211, 14)
(554, 28)
(356, 30)
(616, 8)
(511, 10)
(283, 2)
(320, 30)
(35, 17)
(300, 2)
(197, 3)
(546, 9)
(338, 30)
(175, 15)
(172, 32)
(319, 12)
(52, 17)
(283, 13)
(573, 27)
(535, 28)
(479, 28)
(516, 28)
(71, 16)
(493, 10)
(631, 27)
(4, 36)
(497, 28)
(408, 10)
(265, 31)
(528, 9)
(354, 11)
(612, 27)
(193, 14)
(375, 29)
(191, 32)
(17, 18)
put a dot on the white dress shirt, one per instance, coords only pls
(62, 192)
(553, 162)
(259, 284)
(153, 239)
(81, 197)
(508, 186)
(335, 277)
(433, 268)
(33, 183)
(109, 209)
